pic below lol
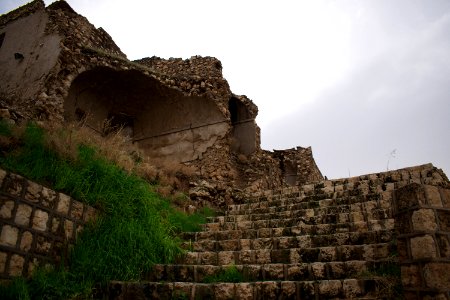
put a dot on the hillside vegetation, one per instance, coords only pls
(136, 226)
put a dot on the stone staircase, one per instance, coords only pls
(330, 240)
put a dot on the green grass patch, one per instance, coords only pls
(190, 223)
(230, 274)
(388, 279)
(136, 227)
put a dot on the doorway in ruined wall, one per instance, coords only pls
(290, 171)
(162, 121)
(244, 129)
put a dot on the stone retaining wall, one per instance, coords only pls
(37, 224)
(422, 223)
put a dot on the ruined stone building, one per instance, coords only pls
(293, 235)
(58, 67)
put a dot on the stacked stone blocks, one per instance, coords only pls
(423, 227)
(37, 225)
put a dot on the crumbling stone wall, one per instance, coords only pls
(298, 166)
(209, 139)
(77, 32)
(195, 76)
(22, 12)
(27, 55)
(37, 224)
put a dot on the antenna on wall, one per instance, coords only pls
(391, 155)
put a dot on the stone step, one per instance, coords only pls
(291, 255)
(370, 288)
(309, 202)
(312, 216)
(307, 223)
(318, 235)
(350, 189)
(274, 243)
(326, 206)
(264, 272)
(381, 182)
(310, 193)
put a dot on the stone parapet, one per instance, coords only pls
(422, 222)
(37, 225)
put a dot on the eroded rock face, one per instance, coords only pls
(58, 67)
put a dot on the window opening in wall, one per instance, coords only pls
(290, 172)
(233, 108)
(119, 122)
(80, 114)
(2, 38)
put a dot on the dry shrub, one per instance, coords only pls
(66, 138)
(165, 191)
(119, 149)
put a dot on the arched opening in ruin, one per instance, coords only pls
(162, 121)
(244, 128)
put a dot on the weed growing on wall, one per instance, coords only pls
(136, 227)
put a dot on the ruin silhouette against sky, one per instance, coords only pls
(366, 84)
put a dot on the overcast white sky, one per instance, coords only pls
(365, 83)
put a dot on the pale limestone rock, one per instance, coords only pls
(433, 195)
(6, 210)
(262, 256)
(327, 254)
(330, 288)
(3, 258)
(68, 229)
(207, 258)
(90, 214)
(355, 266)
(423, 247)
(424, 220)
(225, 257)
(337, 269)
(288, 289)
(356, 217)
(318, 270)
(33, 192)
(245, 244)
(274, 271)
(63, 204)
(411, 276)
(32, 265)
(245, 257)
(40, 220)
(16, 185)
(23, 214)
(16, 265)
(77, 210)
(437, 275)
(55, 225)
(182, 290)
(9, 236)
(43, 245)
(304, 241)
(2, 176)
(244, 291)
(351, 288)
(48, 197)
(224, 291)
(26, 241)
